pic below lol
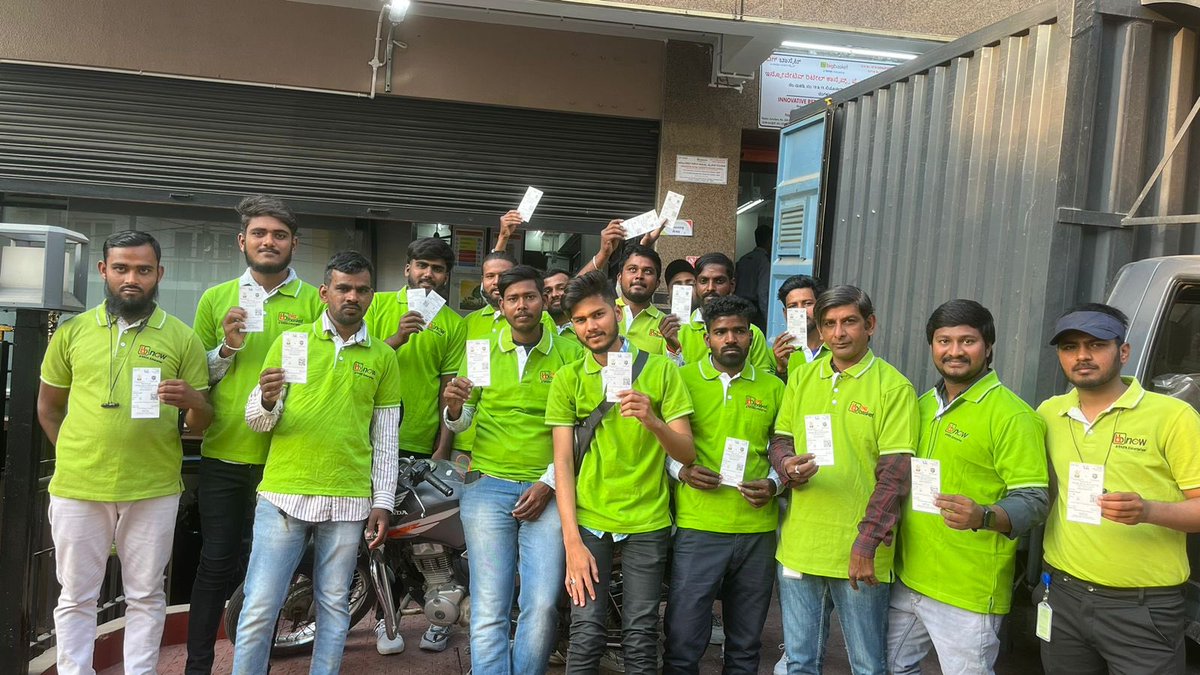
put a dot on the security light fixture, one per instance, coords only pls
(855, 51)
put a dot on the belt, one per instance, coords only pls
(1128, 593)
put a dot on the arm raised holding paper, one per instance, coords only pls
(410, 324)
(509, 223)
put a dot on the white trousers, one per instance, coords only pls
(84, 533)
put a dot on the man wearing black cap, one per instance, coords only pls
(1128, 489)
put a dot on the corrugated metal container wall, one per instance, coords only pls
(948, 183)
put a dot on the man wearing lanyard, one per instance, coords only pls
(330, 398)
(554, 285)
(714, 279)
(113, 381)
(726, 511)
(799, 291)
(620, 496)
(981, 483)
(507, 525)
(236, 322)
(1128, 489)
(854, 416)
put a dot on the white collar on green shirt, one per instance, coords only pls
(360, 337)
(826, 371)
(156, 319)
(247, 279)
(708, 370)
(974, 393)
(1130, 399)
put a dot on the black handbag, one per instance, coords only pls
(586, 430)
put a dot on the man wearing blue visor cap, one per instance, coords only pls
(1127, 472)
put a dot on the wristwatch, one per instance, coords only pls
(989, 519)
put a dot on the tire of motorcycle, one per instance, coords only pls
(299, 637)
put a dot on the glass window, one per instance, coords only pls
(1175, 359)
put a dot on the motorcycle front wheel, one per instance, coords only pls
(296, 626)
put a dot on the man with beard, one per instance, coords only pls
(332, 464)
(714, 279)
(113, 381)
(232, 454)
(1115, 598)
(619, 500)
(853, 416)
(554, 286)
(798, 292)
(724, 548)
(507, 525)
(956, 566)
(642, 323)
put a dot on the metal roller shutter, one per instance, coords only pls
(93, 134)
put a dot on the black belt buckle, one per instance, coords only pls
(472, 476)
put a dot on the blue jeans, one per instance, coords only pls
(863, 614)
(498, 547)
(279, 543)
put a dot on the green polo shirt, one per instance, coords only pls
(294, 304)
(567, 332)
(873, 412)
(102, 454)
(643, 331)
(746, 411)
(799, 360)
(1148, 444)
(512, 440)
(694, 347)
(321, 444)
(988, 442)
(486, 323)
(423, 360)
(622, 485)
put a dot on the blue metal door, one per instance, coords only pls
(802, 148)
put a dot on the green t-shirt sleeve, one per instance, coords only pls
(898, 429)
(1180, 448)
(676, 401)
(194, 366)
(560, 402)
(207, 323)
(387, 394)
(56, 366)
(777, 391)
(761, 356)
(454, 358)
(787, 405)
(1020, 452)
(372, 318)
(274, 357)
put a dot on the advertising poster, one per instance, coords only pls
(790, 81)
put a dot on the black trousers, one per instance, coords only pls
(225, 496)
(738, 570)
(1121, 631)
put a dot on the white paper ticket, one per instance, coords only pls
(479, 362)
(416, 301)
(671, 205)
(295, 358)
(145, 393)
(640, 224)
(818, 434)
(733, 462)
(528, 203)
(251, 298)
(926, 484)
(1085, 484)
(618, 375)
(434, 302)
(681, 301)
(797, 325)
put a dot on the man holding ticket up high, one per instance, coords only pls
(978, 482)
(1128, 487)
(853, 417)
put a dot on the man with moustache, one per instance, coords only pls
(508, 528)
(799, 291)
(332, 465)
(854, 417)
(232, 454)
(956, 566)
(642, 323)
(619, 500)
(117, 450)
(1116, 595)
(554, 283)
(714, 279)
(724, 548)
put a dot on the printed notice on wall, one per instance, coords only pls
(790, 81)
(708, 170)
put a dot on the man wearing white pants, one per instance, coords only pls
(113, 382)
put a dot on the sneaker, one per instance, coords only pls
(386, 645)
(436, 639)
(781, 666)
(718, 631)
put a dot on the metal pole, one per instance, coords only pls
(23, 452)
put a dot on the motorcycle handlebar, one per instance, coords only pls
(422, 470)
(439, 485)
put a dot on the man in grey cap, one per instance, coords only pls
(1127, 473)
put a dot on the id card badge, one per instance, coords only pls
(295, 358)
(144, 398)
(733, 462)
(618, 375)
(252, 298)
(1085, 484)
(797, 325)
(479, 362)
(926, 484)
(818, 435)
(1045, 617)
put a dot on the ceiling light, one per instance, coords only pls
(397, 9)
(856, 51)
(752, 204)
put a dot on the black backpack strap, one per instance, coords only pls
(587, 428)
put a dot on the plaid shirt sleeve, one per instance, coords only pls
(883, 509)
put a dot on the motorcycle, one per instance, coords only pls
(423, 560)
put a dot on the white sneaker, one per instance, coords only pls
(718, 631)
(386, 645)
(436, 639)
(781, 666)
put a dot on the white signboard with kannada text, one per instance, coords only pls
(789, 81)
(708, 170)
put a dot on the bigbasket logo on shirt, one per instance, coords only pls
(654, 332)
(1127, 442)
(147, 353)
(756, 404)
(860, 409)
(361, 369)
(546, 376)
(290, 318)
(437, 329)
(954, 432)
